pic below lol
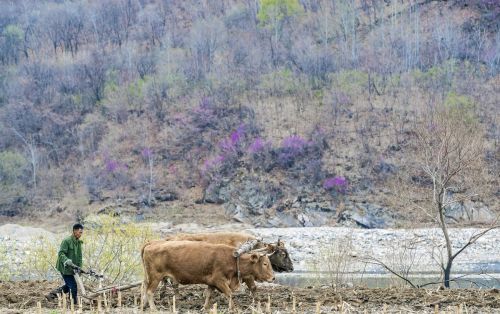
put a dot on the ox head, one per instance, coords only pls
(261, 267)
(279, 257)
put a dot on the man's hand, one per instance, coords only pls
(76, 269)
(69, 263)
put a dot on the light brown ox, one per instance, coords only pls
(277, 253)
(192, 262)
(279, 257)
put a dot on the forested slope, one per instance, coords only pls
(267, 107)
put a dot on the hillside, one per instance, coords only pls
(271, 113)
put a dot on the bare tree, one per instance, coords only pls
(32, 149)
(450, 149)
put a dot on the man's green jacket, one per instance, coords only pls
(71, 248)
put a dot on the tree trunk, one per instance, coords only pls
(447, 273)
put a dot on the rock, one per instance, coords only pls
(254, 199)
(366, 216)
(469, 212)
(212, 193)
(23, 233)
(240, 214)
(323, 206)
(384, 168)
(111, 210)
(162, 227)
(164, 196)
(283, 219)
(304, 220)
(395, 147)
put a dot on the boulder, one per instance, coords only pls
(366, 216)
(165, 196)
(469, 212)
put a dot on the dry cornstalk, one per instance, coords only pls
(173, 305)
(59, 300)
(105, 301)
(99, 305)
(64, 307)
(71, 305)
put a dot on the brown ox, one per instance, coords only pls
(277, 253)
(280, 259)
(190, 262)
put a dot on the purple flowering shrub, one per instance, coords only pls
(106, 173)
(261, 155)
(336, 184)
(291, 148)
(115, 173)
(227, 158)
(301, 158)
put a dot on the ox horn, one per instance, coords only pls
(259, 250)
(244, 248)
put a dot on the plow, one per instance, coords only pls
(90, 294)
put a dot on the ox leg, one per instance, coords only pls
(224, 288)
(165, 284)
(208, 296)
(150, 291)
(167, 281)
(175, 286)
(251, 286)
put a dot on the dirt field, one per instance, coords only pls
(22, 297)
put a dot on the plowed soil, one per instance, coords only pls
(23, 296)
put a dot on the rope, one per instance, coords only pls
(238, 268)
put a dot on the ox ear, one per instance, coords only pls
(254, 258)
(280, 243)
(271, 248)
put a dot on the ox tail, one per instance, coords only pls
(145, 283)
(146, 279)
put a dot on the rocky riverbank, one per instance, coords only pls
(319, 248)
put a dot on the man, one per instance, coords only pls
(69, 258)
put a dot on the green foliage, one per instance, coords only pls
(10, 43)
(4, 260)
(351, 82)
(460, 108)
(113, 247)
(13, 33)
(136, 89)
(135, 93)
(42, 262)
(280, 83)
(12, 165)
(272, 11)
(438, 77)
(110, 247)
(111, 86)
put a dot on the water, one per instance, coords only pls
(378, 280)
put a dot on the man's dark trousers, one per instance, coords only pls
(70, 285)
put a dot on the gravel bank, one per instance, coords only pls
(308, 244)
(309, 247)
